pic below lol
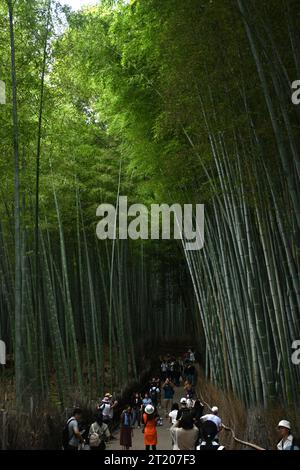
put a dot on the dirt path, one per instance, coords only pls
(164, 440)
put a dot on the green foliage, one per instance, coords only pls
(191, 100)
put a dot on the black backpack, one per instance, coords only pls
(65, 434)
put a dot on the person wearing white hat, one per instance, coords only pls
(149, 409)
(213, 416)
(184, 410)
(287, 441)
(149, 430)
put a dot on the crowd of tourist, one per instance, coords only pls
(190, 428)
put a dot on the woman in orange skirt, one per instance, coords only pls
(150, 433)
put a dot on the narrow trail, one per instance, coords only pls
(164, 440)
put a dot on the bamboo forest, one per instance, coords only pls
(171, 104)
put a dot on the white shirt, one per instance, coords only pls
(214, 418)
(173, 415)
(107, 410)
(287, 444)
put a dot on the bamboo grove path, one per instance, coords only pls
(163, 433)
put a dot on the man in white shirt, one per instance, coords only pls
(287, 441)
(213, 417)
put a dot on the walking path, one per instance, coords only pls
(164, 439)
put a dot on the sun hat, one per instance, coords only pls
(183, 400)
(149, 409)
(215, 409)
(284, 424)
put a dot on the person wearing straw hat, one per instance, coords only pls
(287, 440)
(107, 407)
(149, 429)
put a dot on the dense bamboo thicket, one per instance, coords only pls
(94, 315)
(186, 102)
(248, 276)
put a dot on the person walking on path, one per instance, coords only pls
(137, 404)
(74, 436)
(168, 389)
(287, 440)
(184, 435)
(149, 430)
(126, 429)
(146, 401)
(189, 390)
(158, 386)
(197, 413)
(154, 394)
(173, 413)
(98, 434)
(173, 417)
(163, 370)
(184, 410)
(190, 374)
(107, 407)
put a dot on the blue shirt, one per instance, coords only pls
(169, 392)
(147, 401)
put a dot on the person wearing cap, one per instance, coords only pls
(287, 441)
(107, 409)
(184, 410)
(149, 429)
(213, 416)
